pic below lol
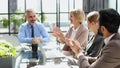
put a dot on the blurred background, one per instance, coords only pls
(49, 12)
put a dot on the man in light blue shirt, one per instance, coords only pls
(24, 34)
(32, 32)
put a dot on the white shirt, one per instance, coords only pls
(106, 40)
(74, 31)
(90, 42)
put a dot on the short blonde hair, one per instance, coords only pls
(93, 16)
(79, 14)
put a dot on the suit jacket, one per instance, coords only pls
(109, 57)
(81, 36)
(96, 46)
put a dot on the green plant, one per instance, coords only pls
(6, 49)
(4, 21)
(18, 19)
(43, 17)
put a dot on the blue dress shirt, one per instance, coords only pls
(24, 34)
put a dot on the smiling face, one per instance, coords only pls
(72, 18)
(30, 17)
(76, 16)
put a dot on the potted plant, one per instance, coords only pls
(43, 17)
(7, 55)
(17, 19)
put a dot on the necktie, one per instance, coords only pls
(34, 46)
(32, 31)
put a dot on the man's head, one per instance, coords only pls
(30, 16)
(109, 21)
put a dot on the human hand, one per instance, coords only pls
(75, 46)
(58, 33)
(56, 30)
(33, 41)
(37, 40)
(67, 41)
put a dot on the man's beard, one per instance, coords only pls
(99, 31)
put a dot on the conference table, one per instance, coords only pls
(49, 56)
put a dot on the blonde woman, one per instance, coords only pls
(76, 32)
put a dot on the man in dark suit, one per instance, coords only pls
(109, 57)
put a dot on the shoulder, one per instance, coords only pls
(113, 48)
(115, 43)
(39, 24)
(24, 24)
(83, 28)
(99, 37)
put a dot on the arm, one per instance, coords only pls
(108, 59)
(82, 37)
(44, 33)
(59, 35)
(22, 35)
(96, 46)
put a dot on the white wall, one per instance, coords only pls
(3, 6)
(119, 6)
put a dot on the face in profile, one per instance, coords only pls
(31, 17)
(73, 19)
(93, 26)
(89, 25)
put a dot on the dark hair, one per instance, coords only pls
(110, 18)
(99, 32)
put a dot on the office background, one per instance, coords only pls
(49, 12)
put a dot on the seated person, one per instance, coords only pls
(109, 56)
(30, 30)
(77, 32)
(96, 42)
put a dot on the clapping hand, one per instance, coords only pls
(58, 33)
(36, 40)
(75, 46)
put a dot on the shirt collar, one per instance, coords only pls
(106, 40)
(29, 24)
(75, 29)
